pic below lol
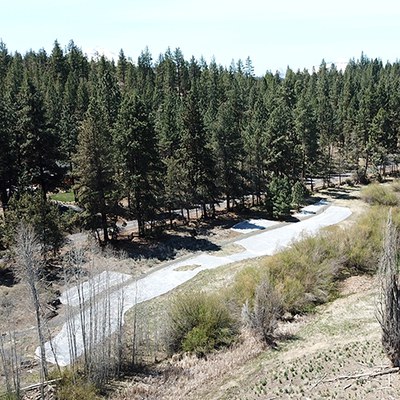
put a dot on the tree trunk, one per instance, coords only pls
(389, 296)
(36, 304)
(171, 220)
(4, 199)
(42, 183)
(104, 227)
(204, 210)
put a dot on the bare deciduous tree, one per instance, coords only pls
(28, 264)
(388, 310)
(94, 319)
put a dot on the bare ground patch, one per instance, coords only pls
(319, 356)
(334, 353)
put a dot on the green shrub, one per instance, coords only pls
(377, 194)
(306, 274)
(303, 275)
(245, 284)
(199, 323)
(361, 244)
(74, 386)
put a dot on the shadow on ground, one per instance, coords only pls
(7, 277)
(341, 193)
(166, 247)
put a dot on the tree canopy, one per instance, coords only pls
(174, 133)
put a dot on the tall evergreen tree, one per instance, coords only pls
(8, 162)
(37, 141)
(138, 160)
(228, 147)
(195, 155)
(94, 172)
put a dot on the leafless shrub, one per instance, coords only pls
(388, 310)
(263, 317)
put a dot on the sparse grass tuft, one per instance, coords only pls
(396, 185)
(377, 194)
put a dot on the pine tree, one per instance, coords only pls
(255, 148)
(8, 162)
(138, 159)
(44, 217)
(195, 155)
(306, 132)
(279, 141)
(94, 171)
(37, 141)
(280, 196)
(228, 149)
(325, 120)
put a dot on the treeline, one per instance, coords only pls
(170, 133)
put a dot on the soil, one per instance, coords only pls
(319, 356)
(332, 353)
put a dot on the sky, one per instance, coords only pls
(274, 34)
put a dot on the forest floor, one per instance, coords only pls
(333, 353)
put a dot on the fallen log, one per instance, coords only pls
(364, 375)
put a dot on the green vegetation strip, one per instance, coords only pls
(64, 197)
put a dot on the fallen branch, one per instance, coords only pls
(36, 385)
(364, 375)
(318, 382)
(347, 386)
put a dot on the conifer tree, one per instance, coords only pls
(138, 159)
(228, 149)
(37, 141)
(195, 155)
(94, 172)
(8, 164)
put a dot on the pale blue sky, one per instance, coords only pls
(298, 33)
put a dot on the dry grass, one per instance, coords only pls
(378, 194)
(191, 267)
(181, 378)
(339, 338)
(342, 338)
